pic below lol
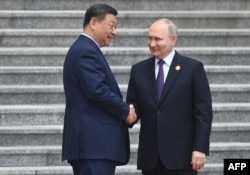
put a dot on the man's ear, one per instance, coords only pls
(92, 23)
(174, 39)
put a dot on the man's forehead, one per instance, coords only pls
(111, 18)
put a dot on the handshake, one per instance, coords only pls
(132, 117)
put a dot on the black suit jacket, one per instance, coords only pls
(178, 123)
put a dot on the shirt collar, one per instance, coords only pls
(168, 59)
(90, 38)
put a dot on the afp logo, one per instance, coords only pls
(236, 166)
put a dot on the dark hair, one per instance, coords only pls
(98, 11)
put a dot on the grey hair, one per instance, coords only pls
(172, 29)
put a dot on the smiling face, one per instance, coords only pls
(160, 41)
(104, 30)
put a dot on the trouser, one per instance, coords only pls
(161, 170)
(93, 167)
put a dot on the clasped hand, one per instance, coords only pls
(132, 115)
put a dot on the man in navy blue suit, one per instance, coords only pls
(95, 134)
(175, 119)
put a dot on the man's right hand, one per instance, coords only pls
(132, 115)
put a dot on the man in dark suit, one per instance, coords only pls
(95, 134)
(175, 109)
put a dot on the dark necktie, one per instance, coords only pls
(160, 78)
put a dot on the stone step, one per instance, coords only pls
(128, 5)
(38, 135)
(30, 75)
(228, 150)
(54, 94)
(47, 114)
(230, 93)
(48, 75)
(22, 156)
(30, 94)
(33, 135)
(214, 169)
(231, 112)
(49, 56)
(125, 37)
(52, 114)
(127, 19)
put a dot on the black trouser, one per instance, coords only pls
(161, 170)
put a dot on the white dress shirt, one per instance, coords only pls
(168, 60)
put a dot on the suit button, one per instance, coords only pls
(158, 112)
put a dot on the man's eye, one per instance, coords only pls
(113, 26)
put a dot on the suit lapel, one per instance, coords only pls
(172, 75)
(111, 74)
(103, 59)
(150, 78)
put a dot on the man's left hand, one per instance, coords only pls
(198, 160)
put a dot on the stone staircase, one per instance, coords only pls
(36, 34)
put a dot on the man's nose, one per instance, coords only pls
(151, 43)
(114, 31)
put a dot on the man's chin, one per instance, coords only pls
(107, 44)
(155, 55)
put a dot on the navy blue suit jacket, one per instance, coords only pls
(95, 114)
(178, 123)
